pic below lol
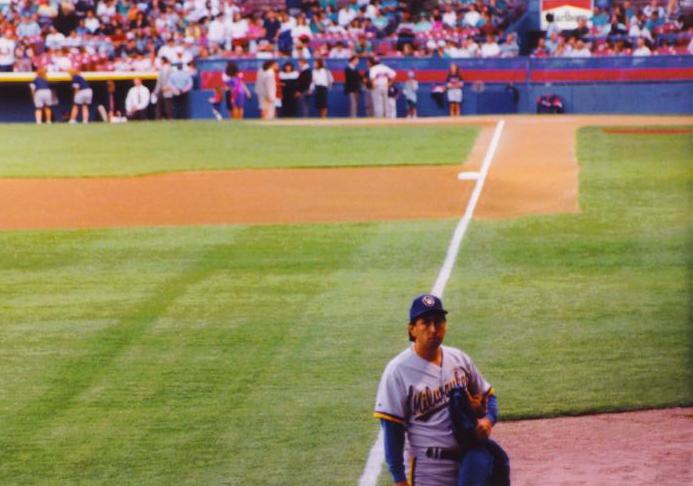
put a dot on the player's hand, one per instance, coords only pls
(483, 429)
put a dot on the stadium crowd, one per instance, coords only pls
(621, 29)
(123, 35)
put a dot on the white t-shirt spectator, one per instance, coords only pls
(142, 64)
(299, 31)
(216, 32)
(55, 40)
(642, 51)
(92, 24)
(170, 52)
(105, 11)
(637, 31)
(471, 18)
(339, 52)
(490, 49)
(469, 49)
(450, 18)
(7, 47)
(238, 29)
(583, 51)
(345, 16)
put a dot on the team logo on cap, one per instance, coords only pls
(428, 300)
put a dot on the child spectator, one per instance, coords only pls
(411, 88)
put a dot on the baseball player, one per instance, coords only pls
(82, 96)
(413, 398)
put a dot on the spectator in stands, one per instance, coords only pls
(580, 50)
(582, 30)
(653, 7)
(303, 84)
(322, 82)
(654, 21)
(43, 98)
(641, 48)
(137, 101)
(490, 48)
(289, 81)
(510, 48)
(552, 43)
(7, 51)
(301, 50)
(472, 17)
(600, 22)
(28, 28)
(216, 33)
(352, 85)
(454, 84)
(552, 27)
(638, 28)
(469, 47)
(381, 76)
(339, 51)
(81, 98)
(541, 50)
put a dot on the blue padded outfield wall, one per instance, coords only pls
(652, 85)
(661, 84)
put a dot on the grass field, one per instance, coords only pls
(145, 148)
(250, 355)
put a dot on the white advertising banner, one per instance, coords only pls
(565, 12)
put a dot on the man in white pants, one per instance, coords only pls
(381, 77)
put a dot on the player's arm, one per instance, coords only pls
(393, 433)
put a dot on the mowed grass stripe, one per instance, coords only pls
(147, 148)
(589, 312)
(259, 353)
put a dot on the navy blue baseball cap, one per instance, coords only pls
(425, 303)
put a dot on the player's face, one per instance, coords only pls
(429, 330)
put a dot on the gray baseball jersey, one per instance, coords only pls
(413, 392)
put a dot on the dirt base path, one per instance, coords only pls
(653, 447)
(534, 172)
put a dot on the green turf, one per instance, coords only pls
(144, 148)
(240, 356)
(589, 312)
(250, 355)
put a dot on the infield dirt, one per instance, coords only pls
(534, 172)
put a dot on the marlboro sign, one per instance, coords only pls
(565, 12)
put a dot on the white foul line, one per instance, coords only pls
(461, 228)
(376, 456)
